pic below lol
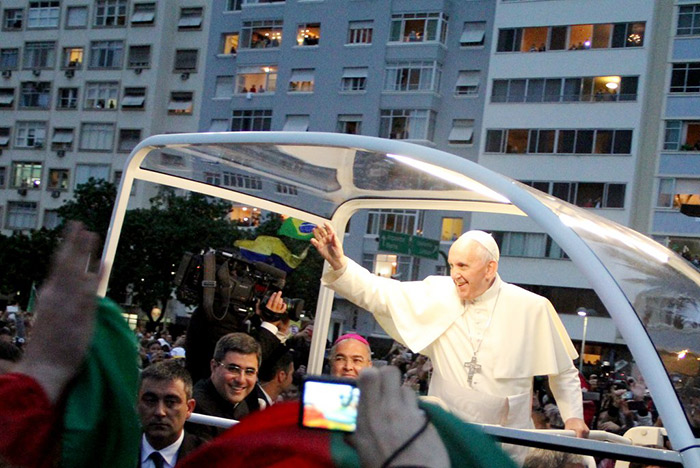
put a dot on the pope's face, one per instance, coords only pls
(471, 275)
(350, 358)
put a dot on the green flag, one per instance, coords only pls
(32, 298)
(296, 229)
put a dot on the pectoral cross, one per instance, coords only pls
(473, 367)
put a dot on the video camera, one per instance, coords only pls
(222, 281)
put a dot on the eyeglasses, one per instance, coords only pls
(237, 371)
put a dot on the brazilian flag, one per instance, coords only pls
(296, 229)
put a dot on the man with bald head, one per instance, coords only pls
(349, 355)
(487, 338)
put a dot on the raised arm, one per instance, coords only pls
(328, 245)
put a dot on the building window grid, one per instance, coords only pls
(72, 57)
(233, 5)
(403, 221)
(106, 54)
(35, 95)
(412, 76)
(682, 135)
(685, 78)
(58, 179)
(110, 13)
(101, 95)
(76, 17)
(360, 32)
(585, 89)
(9, 59)
(13, 19)
(286, 189)
(528, 244)
(251, 120)
(558, 141)
(67, 98)
(262, 34)
(351, 84)
(584, 194)
(86, 172)
(30, 134)
(419, 27)
(97, 136)
(688, 20)
(21, 215)
(229, 43)
(43, 14)
(234, 179)
(407, 124)
(39, 55)
(186, 60)
(256, 79)
(128, 139)
(26, 175)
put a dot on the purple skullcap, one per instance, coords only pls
(351, 336)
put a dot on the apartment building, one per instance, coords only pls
(81, 83)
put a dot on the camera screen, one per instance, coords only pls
(330, 405)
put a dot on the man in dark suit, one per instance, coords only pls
(165, 403)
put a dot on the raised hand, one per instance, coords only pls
(326, 242)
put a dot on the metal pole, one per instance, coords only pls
(583, 344)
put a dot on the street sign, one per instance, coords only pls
(426, 248)
(394, 242)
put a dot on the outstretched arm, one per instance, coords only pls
(326, 242)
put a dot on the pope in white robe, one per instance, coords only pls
(487, 338)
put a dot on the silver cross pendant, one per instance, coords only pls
(472, 368)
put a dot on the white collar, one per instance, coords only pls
(169, 453)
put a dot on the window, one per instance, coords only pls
(251, 120)
(473, 34)
(85, 172)
(190, 18)
(527, 244)
(451, 229)
(106, 54)
(67, 98)
(76, 17)
(97, 136)
(360, 32)
(229, 43)
(403, 221)
(685, 78)
(688, 20)
(12, 19)
(9, 59)
(72, 58)
(26, 174)
(101, 95)
(134, 98)
(21, 215)
(462, 132)
(682, 135)
(301, 81)
(393, 266)
(585, 194)
(354, 79)
(548, 141)
(296, 123)
(62, 139)
(139, 56)
(3, 177)
(7, 98)
(110, 13)
(412, 76)
(58, 179)
(234, 179)
(587, 89)
(286, 189)
(418, 27)
(144, 14)
(39, 55)
(256, 79)
(407, 124)
(51, 219)
(43, 14)
(181, 103)
(467, 83)
(128, 139)
(666, 193)
(628, 35)
(186, 60)
(233, 5)
(350, 124)
(261, 34)
(308, 34)
(4, 137)
(224, 87)
(35, 94)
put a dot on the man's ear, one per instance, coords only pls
(191, 403)
(492, 269)
(212, 365)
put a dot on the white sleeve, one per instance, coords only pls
(566, 388)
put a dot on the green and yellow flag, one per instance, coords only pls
(296, 229)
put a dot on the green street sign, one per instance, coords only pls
(426, 248)
(395, 242)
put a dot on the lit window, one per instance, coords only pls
(97, 137)
(43, 14)
(296, 123)
(139, 56)
(110, 12)
(350, 124)
(134, 98)
(301, 81)
(26, 174)
(462, 132)
(58, 179)
(256, 79)
(473, 34)
(360, 32)
(190, 18)
(144, 14)
(72, 57)
(261, 34)
(467, 83)
(76, 17)
(181, 103)
(106, 54)
(102, 95)
(451, 229)
(21, 215)
(308, 34)
(62, 139)
(354, 79)
(67, 98)
(229, 43)
(39, 55)
(418, 27)
(128, 139)
(186, 60)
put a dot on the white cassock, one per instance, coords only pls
(516, 335)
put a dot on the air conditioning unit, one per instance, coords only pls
(39, 145)
(61, 153)
(36, 72)
(138, 70)
(185, 76)
(55, 194)
(70, 73)
(6, 73)
(22, 191)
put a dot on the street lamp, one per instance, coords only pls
(582, 312)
